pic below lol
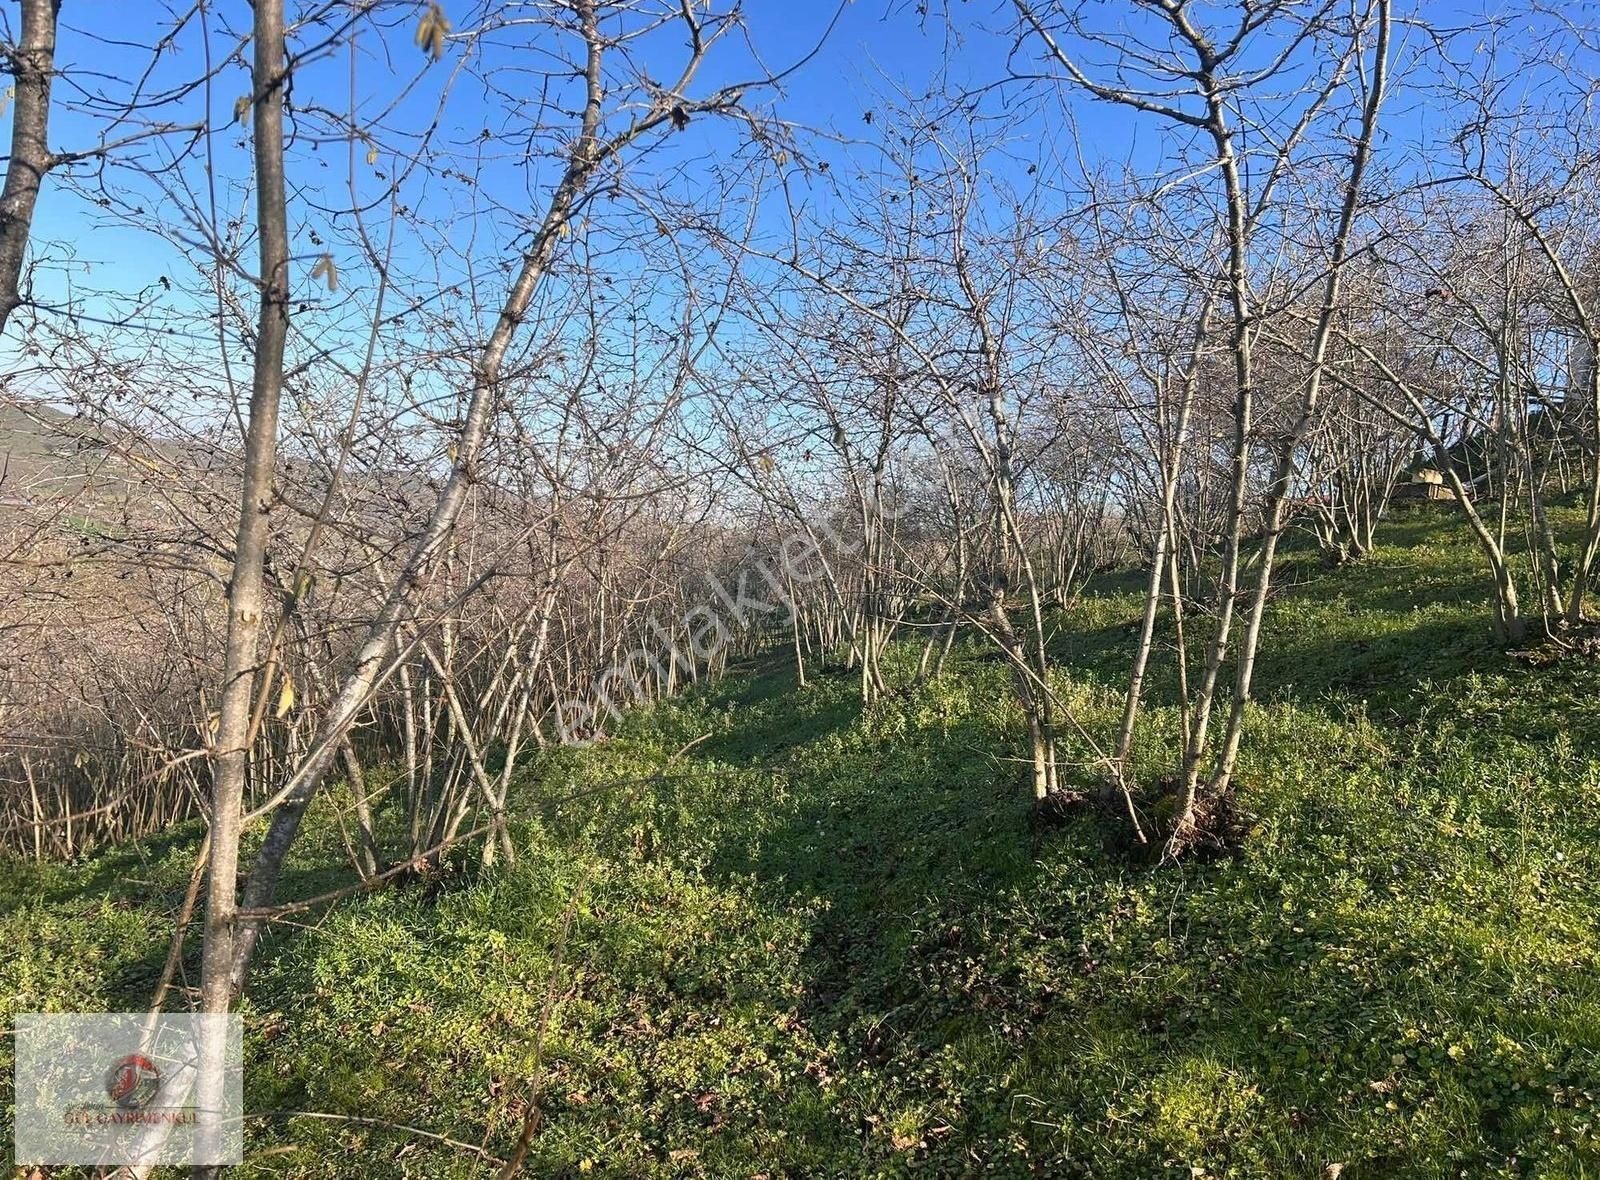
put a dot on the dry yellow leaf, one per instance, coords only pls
(285, 696)
(326, 269)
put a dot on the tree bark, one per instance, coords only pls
(1283, 466)
(588, 153)
(32, 64)
(230, 746)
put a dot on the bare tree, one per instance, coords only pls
(1203, 80)
(619, 111)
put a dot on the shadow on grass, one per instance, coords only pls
(1255, 1008)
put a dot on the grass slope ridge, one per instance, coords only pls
(824, 943)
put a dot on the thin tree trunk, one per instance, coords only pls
(587, 154)
(368, 865)
(1243, 414)
(1583, 568)
(32, 66)
(245, 599)
(1283, 468)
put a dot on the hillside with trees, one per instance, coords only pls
(666, 588)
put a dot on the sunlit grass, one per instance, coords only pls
(829, 944)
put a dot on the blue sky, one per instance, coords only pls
(110, 263)
(876, 45)
(102, 40)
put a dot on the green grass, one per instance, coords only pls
(828, 943)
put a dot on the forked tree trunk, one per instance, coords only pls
(588, 153)
(1283, 467)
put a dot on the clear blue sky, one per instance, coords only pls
(101, 41)
(877, 45)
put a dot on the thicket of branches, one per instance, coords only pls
(512, 365)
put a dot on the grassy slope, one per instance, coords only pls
(827, 944)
